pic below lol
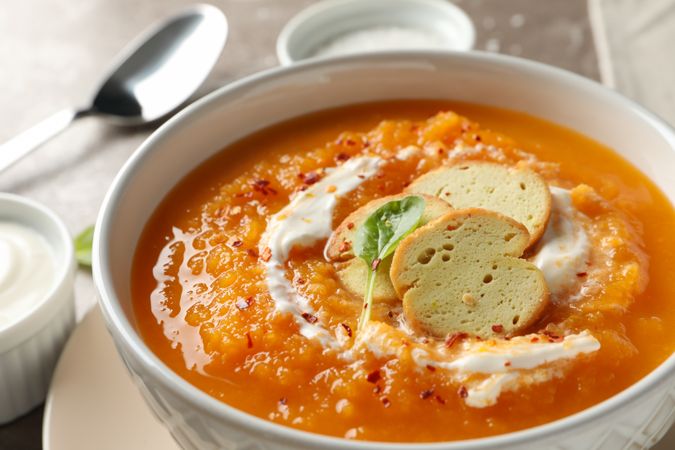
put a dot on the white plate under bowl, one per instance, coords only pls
(93, 402)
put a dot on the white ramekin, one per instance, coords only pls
(324, 21)
(634, 418)
(30, 347)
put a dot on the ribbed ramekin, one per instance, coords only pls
(30, 346)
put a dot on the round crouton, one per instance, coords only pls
(516, 192)
(462, 273)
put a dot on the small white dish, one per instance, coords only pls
(30, 344)
(93, 402)
(338, 27)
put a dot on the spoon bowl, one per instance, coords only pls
(163, 68)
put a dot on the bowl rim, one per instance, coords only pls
(122, 328)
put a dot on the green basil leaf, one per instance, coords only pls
(382, 231)
(83, 242)
(379, 236)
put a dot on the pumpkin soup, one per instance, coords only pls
(410, 271)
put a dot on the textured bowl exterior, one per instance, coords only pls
(26, 369)
(635, 418)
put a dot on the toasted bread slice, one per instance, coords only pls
(351, 269)
(462, 273)
(518, 193)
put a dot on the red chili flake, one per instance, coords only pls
(350, 225)
(253, 253)
(347, 329)
(507, 363)
(236, 243)
(300, 281)
(249, 341)
(350, 142)
(582, 274)
(366, 144)
(454, 337)
(311, 178)
(440, 151)
(342, 157)
(478, 138)
(390, 314)
(426, 394)
(309, 318)
(375, 264)
(440, 400)
(498, 328)
(386, 402)
(551, 335)
(243, 303)
(431, 368)
(263, 186)
(344, 246)
(363, 177)
(266, 254)
(534, 339)
(462, 392)
(283, 401)
(374, 376)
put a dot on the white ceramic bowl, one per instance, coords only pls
(635, 417)
(322, 22)
(30, 346)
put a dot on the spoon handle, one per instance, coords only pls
(19, 146)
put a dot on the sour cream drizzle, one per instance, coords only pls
(508, 364)
(564, 249)
(307, 219)
(518, 353)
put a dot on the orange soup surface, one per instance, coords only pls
(201, 288)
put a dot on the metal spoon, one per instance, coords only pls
(153, 76)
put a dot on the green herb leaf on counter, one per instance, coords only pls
(83, 242)
(379, 236)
